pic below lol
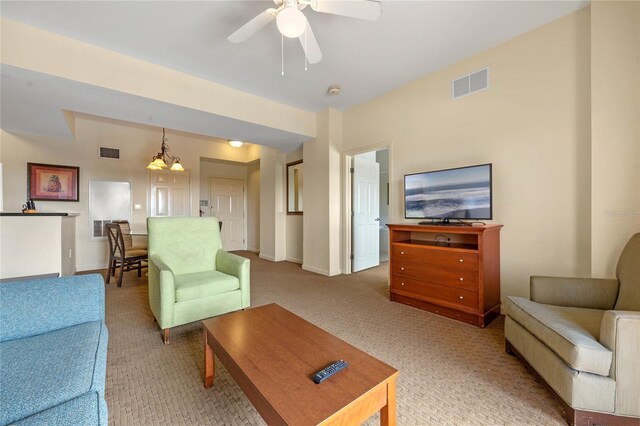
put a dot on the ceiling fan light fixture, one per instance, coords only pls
(236, 144)
(291, 22)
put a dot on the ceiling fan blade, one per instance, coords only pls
(361, 9)
(252, 27)
(310, 46)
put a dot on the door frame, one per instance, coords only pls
(244, 202)
(347, 200)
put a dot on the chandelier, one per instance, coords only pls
(164, 160)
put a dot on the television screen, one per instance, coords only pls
(462, 193)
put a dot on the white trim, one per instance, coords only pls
(316, 270)
(253, 250)
(267, 257)
(294, 260)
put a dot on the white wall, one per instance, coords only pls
(615, 130)
(294, 222)
(137, 145)
(532, 124)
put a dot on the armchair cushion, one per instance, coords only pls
(572, 333)
(203, 284)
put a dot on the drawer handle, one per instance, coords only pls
(461, 279)
(402, 268)
(401, 283)
(461, 260)
(401, 252)
(461, 297)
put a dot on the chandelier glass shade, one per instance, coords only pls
(291, 22)
(163, 160)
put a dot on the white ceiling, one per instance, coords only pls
(368, 59)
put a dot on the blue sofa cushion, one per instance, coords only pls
(46, 370)
(32, 307)
(87, 409)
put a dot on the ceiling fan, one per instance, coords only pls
(293, 24)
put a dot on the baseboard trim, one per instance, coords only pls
(294, 260)
(253, 250)
(316, 270)
(267, 257)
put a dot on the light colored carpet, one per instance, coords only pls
(450, 373)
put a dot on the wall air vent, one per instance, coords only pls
(109, 153)
(470, 83)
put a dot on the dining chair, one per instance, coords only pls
(122, 253)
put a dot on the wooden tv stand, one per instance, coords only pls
(450, 270)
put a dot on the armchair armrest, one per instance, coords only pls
(38, 306)
(620, 333)
(237, 266)
(594, 293)
(162, 291)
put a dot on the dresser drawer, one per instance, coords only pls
(432, 256)
(460, 278)
(434, 292)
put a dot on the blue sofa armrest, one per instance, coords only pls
(32, 307)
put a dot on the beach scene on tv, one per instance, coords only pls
(449, 194)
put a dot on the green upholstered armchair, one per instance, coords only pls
(190, 276)
(582, 336)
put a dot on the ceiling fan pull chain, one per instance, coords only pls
(305, 49)
(282, 52)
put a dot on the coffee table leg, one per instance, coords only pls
(209, 363)
(388, 412)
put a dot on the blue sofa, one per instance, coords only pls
(53, 351)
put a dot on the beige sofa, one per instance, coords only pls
(582, 336)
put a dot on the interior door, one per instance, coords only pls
(366, 212)
(227, 204)
(169, 193)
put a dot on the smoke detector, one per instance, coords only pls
(334, 90)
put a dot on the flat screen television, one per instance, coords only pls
(460, 193)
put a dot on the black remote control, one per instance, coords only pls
(329, 371)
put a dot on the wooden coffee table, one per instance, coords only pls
(272, 354)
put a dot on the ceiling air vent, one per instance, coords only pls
(109, 153)
(470, 83)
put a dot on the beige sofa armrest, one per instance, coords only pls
(592, 293)
(620, 333)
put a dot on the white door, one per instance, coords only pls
(169, 193)
(366, 212)
(227, 204)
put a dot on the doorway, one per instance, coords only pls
(369, 209)
(227, 204)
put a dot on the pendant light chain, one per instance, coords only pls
(282, 52)
(305, 49)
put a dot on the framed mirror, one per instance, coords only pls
(294, 187)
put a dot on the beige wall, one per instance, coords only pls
(253, 206)
(322, 248)
(294, 222)
(615, 128)
(34, 49)
(532, 123)
(272, 209)
(137, 145)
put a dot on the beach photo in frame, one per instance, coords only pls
(49, 182)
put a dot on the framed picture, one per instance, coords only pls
(48, 182)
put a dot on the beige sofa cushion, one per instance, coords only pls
(572, 333)
(628, 272)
